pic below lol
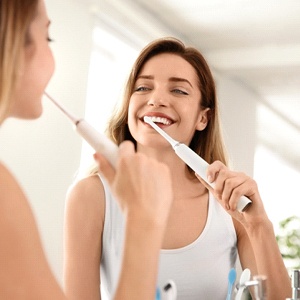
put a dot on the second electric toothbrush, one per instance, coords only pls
(98, 141)
(193, 160)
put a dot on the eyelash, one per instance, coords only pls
(143, 88)
(180, 92)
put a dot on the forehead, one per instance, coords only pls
(169, 64)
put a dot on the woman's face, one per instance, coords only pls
(166, 89)
(36, 70)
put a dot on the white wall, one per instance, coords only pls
(238, 116)
(44, 154)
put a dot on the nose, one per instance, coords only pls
(158, 100)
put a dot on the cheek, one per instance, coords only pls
(134, 109)
(191, 112)
(40, 66)
(44, 68)
(31, 86)
(131, 115)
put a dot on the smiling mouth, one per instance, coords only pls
(160, 120)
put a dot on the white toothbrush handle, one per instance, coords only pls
(239, 293)
(199, 165)
(99, 142)
(169, 291)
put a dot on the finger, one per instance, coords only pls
(247, 189)
(210, 188)
(213, 170)
(126, 152)
(219, 183)
(232, 191)
(126, 148)
(105, 168)
(224, 183)
(204, 182)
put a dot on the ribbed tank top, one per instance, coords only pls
(199, 270)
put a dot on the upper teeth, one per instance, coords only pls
(164, 121)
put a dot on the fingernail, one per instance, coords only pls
(209, 178)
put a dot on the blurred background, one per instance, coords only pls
(253, 48)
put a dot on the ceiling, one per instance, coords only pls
(256, 42)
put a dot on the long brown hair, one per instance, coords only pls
(207, 143)
(15, 19)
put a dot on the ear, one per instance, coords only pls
(203, 119)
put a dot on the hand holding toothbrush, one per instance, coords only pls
(195, 162)
(143, 188)
(139, 183)
(229, 186)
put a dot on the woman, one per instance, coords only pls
(173, 85)
(26, 66)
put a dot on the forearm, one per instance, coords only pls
(140, 260)
(269, 261)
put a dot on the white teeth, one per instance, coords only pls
(164, 121)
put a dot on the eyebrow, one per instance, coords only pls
(178, 79)
(171, 79)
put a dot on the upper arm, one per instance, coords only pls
(24, 272)
(245, 250)
(84, 219)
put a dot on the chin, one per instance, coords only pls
(29, 115)
(36, 110)
(35, 114)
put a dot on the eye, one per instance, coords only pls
(141, 89)
(178, 91)
(49, 39)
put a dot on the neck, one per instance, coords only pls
(185, 183)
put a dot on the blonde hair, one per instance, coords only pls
(207, 143)
(15, 19)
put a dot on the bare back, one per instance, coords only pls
(25, 273)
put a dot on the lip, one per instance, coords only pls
(160, 115)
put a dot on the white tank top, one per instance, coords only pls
(199, 270)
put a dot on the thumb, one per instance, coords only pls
(105, 168)
(126, 148)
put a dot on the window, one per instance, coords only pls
(110, 64)
(277, 173)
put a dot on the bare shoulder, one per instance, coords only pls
(12, 199)
(87, 191)
(86, 199)
(6, 178)
(88, 185)
(22, 256)
(11, 192)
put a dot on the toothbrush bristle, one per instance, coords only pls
(147, 119)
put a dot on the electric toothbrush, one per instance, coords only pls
(99, 142)
(169, 291)
(245, 276)
(193, 160)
